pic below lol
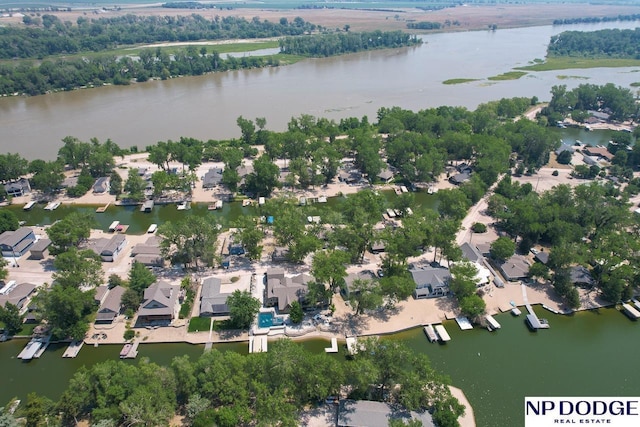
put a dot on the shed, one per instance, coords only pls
(40, 249)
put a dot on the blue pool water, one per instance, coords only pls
(267, 320)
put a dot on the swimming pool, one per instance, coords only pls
(268, 319)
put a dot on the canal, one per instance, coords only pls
(591, 353)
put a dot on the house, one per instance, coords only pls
(112, 247)
(580, 276)
(349, 177)
(102, 185)
(599, 152)
(40, 249)
(280, 254)
(101, 294)
(347, 289)
(148, 253)
(15, 294)
(212, 301)
(159, 303)
(471, 253)
(542, 257)
(281, 291)
(366, 413)
(431, 282)
(18, 188)
(460, 178)
(15, 243)
(70, 181)
(515, 268)
(212, 178)
(111, 305)
(385, 176)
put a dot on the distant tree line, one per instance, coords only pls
(609, 43)
(424, 25)
(51, 36)
(189, 5)
(341, 43)
(596, 19)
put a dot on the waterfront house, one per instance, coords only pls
(471, 253)
(100, 295)
(515, 268)
(102, 185)
(212, 301)
(431, 282)
(580, 276)
(159, 303)
(16, 243)
(385, 176)
(212, 178)
(365, 275)
(40, 249)
(366, 413)
(281, 291)
(542, 257)
(111, 305)
(148, 253)
(599, 152)
(108, 249)
(16, 294)
(460, 178)
(18, 188)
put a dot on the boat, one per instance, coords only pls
(152, 228)
(114, 226)
(430, 333)
(125, 351)
(442, 333)
(183, 206)
(52, 206)
(516, 311)
(630, 311)
(246, 202)
(261, 200)
(218, 204)
(29, 206)
(493, 323)
(404, 189)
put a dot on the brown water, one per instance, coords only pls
(206, 107)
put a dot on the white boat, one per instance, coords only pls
(404, 189)
(52, 206)
(152, 228)
(29, 206)
(464, 323)
(218, 204)
(516, 311)
(430, 333)
(493, 323)
(114, 226)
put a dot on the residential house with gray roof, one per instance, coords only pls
(111, 305)
(212, 301)
(18, 188)
(16, 243)
(515, 268)
(159, 303)
(16, 294)
(431, 282)
(281, 290)
(212, 178)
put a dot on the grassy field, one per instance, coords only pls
(199, 324)
(510, 75)
(566, 63)
(458, 81)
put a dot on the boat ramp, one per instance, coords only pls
(464, 323)
(492, 323)
(631, 312)
(442, 333)
(73, 349)
(430, 333)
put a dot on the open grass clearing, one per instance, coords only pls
(509, 75)
(458, 81)
(567, 63)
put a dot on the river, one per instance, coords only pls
(206, 107)
(588, 354)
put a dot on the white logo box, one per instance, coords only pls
(594, 411)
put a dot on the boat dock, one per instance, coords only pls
(516, 311)
(630, 311)
(493, 323)
(442, 333)
(130, 351)
(73, 349)
(464, 323)
(102, 209)
(636, 303)
(34, 349)
(52, 206)
(534, 323)
(147, 206)
(352, 345)
(114, 226)
(258, 344)
(334, 346)
(430, 333)
(29, 206)
(152, 228)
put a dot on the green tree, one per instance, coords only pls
(12, 166)
(134, 186)
(249, 235)
(365, 295)
(296, 314)
(69, 232)
(243, 308)
(8, 221)
(190, 240)
(472, 306)
(463, 282)
(77, 269)
(329, 267)
(140, 278)
(264, 177)
(11, 317)
(503, 248)
(67, 311)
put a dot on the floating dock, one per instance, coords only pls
(52, 206)
(493, 323)
(630, 311)
(464, 323)
(34, 349)
(102, 209)
(258, 344)
(147, 206)
(73, 349)
(152, 228)
(29, 206)
(352, 345)
(430, 333)
(516, 311)
(534, 323)
(334, 346)
(114, 226)
(442, 333)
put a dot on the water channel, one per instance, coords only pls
(588, 354)
(206, 107)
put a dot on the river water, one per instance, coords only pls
(588, 354)
(206, 107)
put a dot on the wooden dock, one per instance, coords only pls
(73, 349)
(102, 209)
(132, 352)
(334, 346)
(430, 333)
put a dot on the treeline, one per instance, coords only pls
(610, 43)
(228, 389)
(596, 19)
(618, 102)
(424, 25)
(48, 35)
(189, 5)
(341, 43)
(68, 74)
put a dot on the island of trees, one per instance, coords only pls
(608, 43)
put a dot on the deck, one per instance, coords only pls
(442, 333)
(334, 346)
(132, 352)
(73, 349)
(464, 323)
(630, 311)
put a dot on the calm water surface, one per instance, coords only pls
(206, 107)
